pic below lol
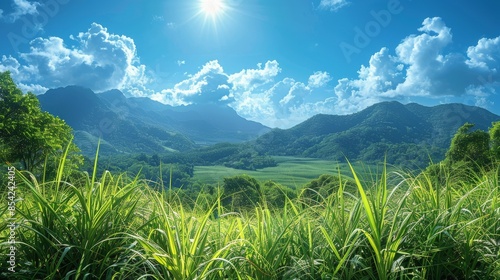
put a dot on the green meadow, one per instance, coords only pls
(293, 172)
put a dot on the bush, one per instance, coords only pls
(241, 191)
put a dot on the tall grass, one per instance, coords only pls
(74, 230)
(397, 226)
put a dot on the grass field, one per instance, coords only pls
(118, 228)
(291, 171)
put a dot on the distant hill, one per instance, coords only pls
(141, 125)
(409, 134)
(204, 124)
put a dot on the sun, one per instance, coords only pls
(212, 8)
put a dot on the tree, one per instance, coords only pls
(241, 191)
(28, 135)
(277, 194)
(469, 147)
(495, 140)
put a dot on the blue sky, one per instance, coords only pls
(274, 61)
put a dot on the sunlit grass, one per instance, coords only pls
(293, 172)
(396, 226)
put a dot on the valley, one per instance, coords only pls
(292, 172)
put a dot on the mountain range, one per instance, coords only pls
(410, 134)
(141, 125)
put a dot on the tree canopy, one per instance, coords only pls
(470, 150)
(470, 146)
(29, 135)
(495, 140)
(241, 191)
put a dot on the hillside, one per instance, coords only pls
(204, 124)
(409, 134)
(140, 125)
(92, 119)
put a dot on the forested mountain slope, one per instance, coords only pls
(408, 134)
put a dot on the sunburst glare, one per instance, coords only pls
(212, 8)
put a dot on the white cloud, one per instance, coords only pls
(181, 62)
(257, 96)
(100, 60)
(318, 79)
(255, 106)
(36, 89)
(207, 85)
(23, 7)
(296, 93)
(332, 5)
(485, 55)
(420, 67)
(253, 93)
(282, 103)
(249, 79)
(10, 64)
(18, 71)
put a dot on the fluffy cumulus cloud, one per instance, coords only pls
(244, 90)
(208, 85)
(279, 102)
(333, 5)
(21, 73)
(319, 79)
(259, 95)
(99, 60)
(485, 55)
(419, 66)
(9, 63)
(256, 93)
(249, 79)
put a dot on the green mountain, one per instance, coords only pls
(205, 124)
(92, 119)
(140, 125)
(409, 135)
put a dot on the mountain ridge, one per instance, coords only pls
(138, 125)
(408, 134)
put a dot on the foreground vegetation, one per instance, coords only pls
(396, 226)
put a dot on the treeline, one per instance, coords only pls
(239, 156)
(362, 143)
(471, 151)
(178, 168)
